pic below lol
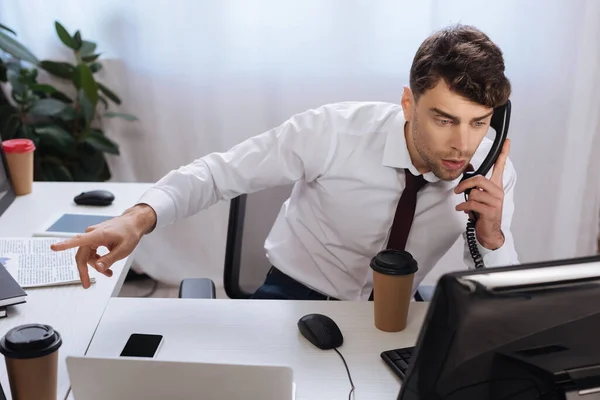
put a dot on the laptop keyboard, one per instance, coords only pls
(398, 360)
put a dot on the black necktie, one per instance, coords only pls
(405, 212)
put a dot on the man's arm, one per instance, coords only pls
(297, 149)
(506, 254)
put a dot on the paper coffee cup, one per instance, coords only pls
(31, 356)
(19, 158)
(393, 277)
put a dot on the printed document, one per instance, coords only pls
(33, 264)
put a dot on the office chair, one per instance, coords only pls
(251, 217)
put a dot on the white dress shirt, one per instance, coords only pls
(346, 160)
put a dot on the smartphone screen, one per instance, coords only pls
(142, 345)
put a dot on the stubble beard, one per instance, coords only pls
(432, 162)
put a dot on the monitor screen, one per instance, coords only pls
(520, 333)
(7, 194)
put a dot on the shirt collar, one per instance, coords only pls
(395, 152)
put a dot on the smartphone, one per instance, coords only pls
(142, 345)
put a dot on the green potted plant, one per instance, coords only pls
(66, 127)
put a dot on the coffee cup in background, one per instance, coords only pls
(19, 158)
(393, 277)
(31, 355)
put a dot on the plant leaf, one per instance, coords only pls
(91, 160)
(95, 67)
(54, 170)
(77, 40)
(16, 49)
(6, 28)
(3, 77)
(56, 137)
(64, 35)
(91, 58)
(58, 95)
(11, 128)
(103, 101)
(18, 88)
(52, 91)
(47, 107)
(42, 87)
(108, 93)
(68, 114)
(61, 69)
(128, 117)
(86, 107)
(87, 48)
(100, 142)
(88, 83)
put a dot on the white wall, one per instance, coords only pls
(204, 75)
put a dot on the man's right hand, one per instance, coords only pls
(120, 235)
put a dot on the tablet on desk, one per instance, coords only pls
(69, 224)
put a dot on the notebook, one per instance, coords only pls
(11, 292)
(32, 263)
(69, 224)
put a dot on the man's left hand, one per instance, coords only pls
(486, 199)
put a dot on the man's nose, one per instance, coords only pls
(460, 137)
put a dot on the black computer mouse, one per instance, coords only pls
(321, 331)
(94, 198)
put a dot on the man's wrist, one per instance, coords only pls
(144, 216)
(494, 243)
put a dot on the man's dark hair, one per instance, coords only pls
(467, 60)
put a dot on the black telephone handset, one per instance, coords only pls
(499, 122)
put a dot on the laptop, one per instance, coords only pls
(125, 378)
(7, 193)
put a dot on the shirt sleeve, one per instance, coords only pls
(297, 149)
(505, 255)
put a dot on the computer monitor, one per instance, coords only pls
(7, 194)
(513, 333)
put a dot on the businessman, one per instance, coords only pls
(358, 169)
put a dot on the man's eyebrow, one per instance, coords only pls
(456, 119)
(444, 114)
(482, 117)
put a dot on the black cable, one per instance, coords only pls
(349, 377)
(472, 244)
(472, 240)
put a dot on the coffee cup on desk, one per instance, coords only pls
(393, 277)
(19, 158)
(31, 356)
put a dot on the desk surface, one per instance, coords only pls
(264, 331)
(71, 310)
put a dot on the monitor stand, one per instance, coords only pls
(538, 373)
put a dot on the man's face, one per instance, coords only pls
(445, 129)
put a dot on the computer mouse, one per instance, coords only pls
(321, 331)
(94, 198)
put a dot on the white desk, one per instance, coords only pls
(71, 310)
(264, 331)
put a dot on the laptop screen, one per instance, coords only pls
(7, 194)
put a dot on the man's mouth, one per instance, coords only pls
(454, 164)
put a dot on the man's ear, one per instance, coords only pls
(408, 103)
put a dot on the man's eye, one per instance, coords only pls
(444, 121)
(479, 124)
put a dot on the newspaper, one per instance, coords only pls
(33, 263)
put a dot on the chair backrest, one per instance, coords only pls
(251, 217)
